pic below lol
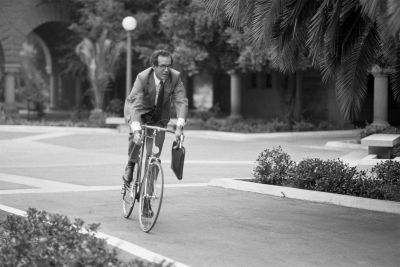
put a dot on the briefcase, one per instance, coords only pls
(178, 158)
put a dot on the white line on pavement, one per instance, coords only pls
(120, 162)
(38, 183)
(41, 136)
(47, 186)
(85, 189)
(116, 242)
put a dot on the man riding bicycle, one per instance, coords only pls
(149, 102)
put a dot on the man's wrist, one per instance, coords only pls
(135, 126)
(180, 123)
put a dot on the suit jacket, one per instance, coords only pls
(142, 97)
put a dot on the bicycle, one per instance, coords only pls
(148, 189)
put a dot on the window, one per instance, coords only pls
(260, 81)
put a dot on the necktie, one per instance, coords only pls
(159, 103)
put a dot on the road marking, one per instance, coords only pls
(41, 136)
(122, 163)
(116, 242)
(47, 186)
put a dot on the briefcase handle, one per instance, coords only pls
(180, 142)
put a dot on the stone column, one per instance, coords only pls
(52, 98)
(236, 95)
(381, 89)
(9, 92)
(78, 93)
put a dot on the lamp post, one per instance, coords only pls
(129, 24)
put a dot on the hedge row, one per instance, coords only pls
(45, 239)
(274, 166)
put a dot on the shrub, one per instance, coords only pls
(330, 176)
(44, 239)
(388, 174)
(334, 176)
(115, 107)
(304, 175)
(299, 126)
(251, 125)
(371, 129)
(273, 166)
(97, 118)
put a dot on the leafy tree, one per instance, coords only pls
(100, 58)
(342, 38)
(101, 40)
(199, 40)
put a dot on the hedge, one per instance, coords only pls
(274, 166)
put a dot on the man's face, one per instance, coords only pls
(162, 68)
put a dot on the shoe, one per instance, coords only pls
(128, 175)
(125, 186)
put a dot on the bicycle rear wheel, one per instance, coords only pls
(151, 195)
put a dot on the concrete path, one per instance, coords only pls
(77, 172)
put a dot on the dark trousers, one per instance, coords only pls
(134, 150)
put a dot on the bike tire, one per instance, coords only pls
(129, 198)
(151, 193)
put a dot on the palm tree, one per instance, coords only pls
(100, 57)
(344, 39)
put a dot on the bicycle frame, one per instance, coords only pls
(152, 157)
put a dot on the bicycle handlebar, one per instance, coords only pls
(158, 128)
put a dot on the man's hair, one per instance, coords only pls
(157, 53)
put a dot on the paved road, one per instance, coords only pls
(77, 173)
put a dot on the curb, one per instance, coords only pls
(309, 195)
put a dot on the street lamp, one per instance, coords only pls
(129, 24)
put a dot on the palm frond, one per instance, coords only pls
(236, 11)
(286, 58)
(316, 31)
(373, 8)
(393, 7)
(395, 76)
(351, 81)
(214, 7)
(260, 22)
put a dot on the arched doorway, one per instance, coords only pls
(18, 21)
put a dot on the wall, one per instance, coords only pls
(261, 99)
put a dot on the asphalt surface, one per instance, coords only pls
(77, 173)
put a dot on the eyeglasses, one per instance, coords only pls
(164, 66)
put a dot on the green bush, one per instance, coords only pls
(250, 125)
(273, 166)
(388, 173)
(45, 239)
(329, 176)
(97, 118)
(115, 108)
(304, 176)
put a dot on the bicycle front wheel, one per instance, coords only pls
(151, 195)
